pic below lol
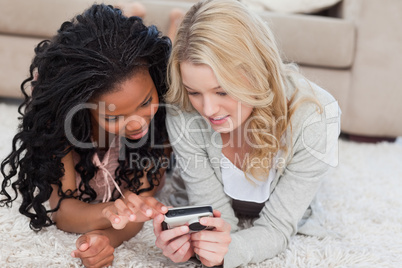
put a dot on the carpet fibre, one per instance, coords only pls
(362, 199)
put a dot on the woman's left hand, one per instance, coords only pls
(212, 245)
(94, 250)
(133, 208)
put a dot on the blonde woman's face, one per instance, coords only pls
(224, 113)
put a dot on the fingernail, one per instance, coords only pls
(183, 229)
(132, 217)
(116, 220)
(73, 254)
(149, 212)
(164, 209)
(203, 221)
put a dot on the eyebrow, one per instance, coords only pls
(218, 87)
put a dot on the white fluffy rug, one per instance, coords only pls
(362, 199)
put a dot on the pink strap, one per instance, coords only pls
(107, 177)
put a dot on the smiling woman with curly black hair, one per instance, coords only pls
(92, 128)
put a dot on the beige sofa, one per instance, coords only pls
(354, 51)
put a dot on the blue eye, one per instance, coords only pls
(221, 93)
(192, 93)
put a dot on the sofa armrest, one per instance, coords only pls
(375, 89)
(379, 33)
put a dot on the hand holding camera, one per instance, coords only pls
(189, 215)
(179, 234)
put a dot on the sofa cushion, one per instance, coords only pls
(313, 40)
(291, 6)
(42, 18)
(23, 24)
(38, 18)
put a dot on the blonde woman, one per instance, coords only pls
(252, 137)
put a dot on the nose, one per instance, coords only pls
(135, 123)
(211, 107)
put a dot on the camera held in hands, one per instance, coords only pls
(187, 216)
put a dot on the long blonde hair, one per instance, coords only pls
(241, 50)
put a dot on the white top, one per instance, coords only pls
(237, 186)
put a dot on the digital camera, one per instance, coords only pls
(187, 216)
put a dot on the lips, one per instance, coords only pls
(218, 120)
(138, 134)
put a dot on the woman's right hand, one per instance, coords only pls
(211, 246)
(175, 243)
(133, 208)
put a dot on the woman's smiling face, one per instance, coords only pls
(224, 113)
(128, 110)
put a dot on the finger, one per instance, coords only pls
(184, 249)
(109, 214)
(118, 222)
(138, 203)
(157, 223)
(76, 253)
(81, 254)
(98, 261)
(133, 209)
(83, 243)
(208, 235)
(101, 258)
(217, 213)
(212, 236)
(156, 205)
(86, 246)
(213, 247)
(170, 234)
(124, 210)
(108, 261)
(183, 254)
(209, 258)
(177, 246)
(218, 223)
(121, 223)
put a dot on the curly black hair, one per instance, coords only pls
(88, 57)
